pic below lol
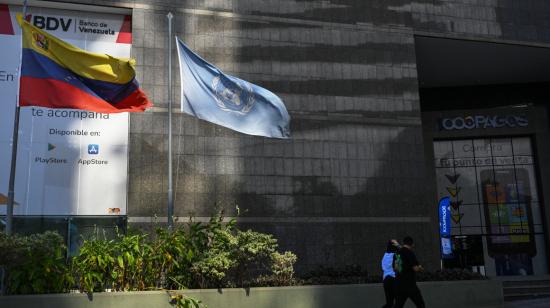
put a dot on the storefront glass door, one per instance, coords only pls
(495, 210)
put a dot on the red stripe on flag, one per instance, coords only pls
(125, 33)
(137, 101)
(57, 94)
(5, 20)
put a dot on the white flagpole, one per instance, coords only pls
(170, 212)
(15, 139)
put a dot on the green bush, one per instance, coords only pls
(449, 275)
(173, 252)
(439, 275)
(350, 274)
(182, 301)
(129, 263)
(252, 255)
(282, 271)
(213, 259)
(282, 266)
(94, 266)
(34, 264)
(194, 255)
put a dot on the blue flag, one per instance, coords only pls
(445, 216)
(211, 95)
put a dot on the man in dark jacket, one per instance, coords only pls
(406, 265)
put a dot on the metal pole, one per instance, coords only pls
(15, 138)
(24, 9)
(11, 194)
(170, 190)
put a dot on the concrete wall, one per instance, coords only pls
(436, 294)
(354, 173)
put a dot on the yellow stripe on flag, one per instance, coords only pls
(86, 64)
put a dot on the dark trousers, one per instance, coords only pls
(389, 291)
(409, 291)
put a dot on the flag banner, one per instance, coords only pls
(445, 217)
(69, 161)
(56, 74)
(209, 94)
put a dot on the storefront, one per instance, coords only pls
(488, 161)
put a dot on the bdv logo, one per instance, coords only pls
(52, 23)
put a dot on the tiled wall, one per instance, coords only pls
(353, 174)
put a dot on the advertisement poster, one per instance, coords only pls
(69, 162)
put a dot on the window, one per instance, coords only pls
(493, 190)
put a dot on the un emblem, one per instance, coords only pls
(233, 95)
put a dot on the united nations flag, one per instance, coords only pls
(211, 95)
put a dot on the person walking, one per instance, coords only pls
(406, 266)
(388, 278)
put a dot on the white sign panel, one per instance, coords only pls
(69, 162)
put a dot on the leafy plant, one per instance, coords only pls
(282, 271)
(336, 275)
(203, 255)
(182, 301)
(196, 255)
(94, 267)
(252, 253)
(282, 266)
(133, 269)
(449, 275)
(230, 257)
(34, 264)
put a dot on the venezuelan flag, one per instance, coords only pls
(56, 74)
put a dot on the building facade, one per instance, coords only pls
(394, 104)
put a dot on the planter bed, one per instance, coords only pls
(448, 294)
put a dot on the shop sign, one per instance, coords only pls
(483, 122)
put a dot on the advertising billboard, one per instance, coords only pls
(69, 162)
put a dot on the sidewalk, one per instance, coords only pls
(531, 303)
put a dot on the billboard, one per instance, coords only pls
(69, 162)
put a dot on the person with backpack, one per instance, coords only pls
(406, 266)
(389, 273)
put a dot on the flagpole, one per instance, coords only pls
(15, 140)
(11, 194)
(170, 211)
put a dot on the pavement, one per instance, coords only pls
(531, 303)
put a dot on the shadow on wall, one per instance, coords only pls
(337, 167)
(330, 216)
(338, 11)
(312, 194)
(506, 19)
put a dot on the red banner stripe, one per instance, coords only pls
(125, 33)
(5, 20)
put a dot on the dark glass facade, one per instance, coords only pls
(362, 164)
